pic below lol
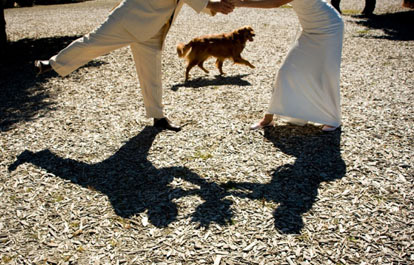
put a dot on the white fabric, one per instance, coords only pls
(108, 37)
(307, 84)
(141, 24)
(144, 18)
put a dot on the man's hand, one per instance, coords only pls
(237, 3)
(224, 6)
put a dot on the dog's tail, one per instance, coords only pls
(183, 49)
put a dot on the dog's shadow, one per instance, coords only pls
(219, 80)
(134, 185)
(294, 187)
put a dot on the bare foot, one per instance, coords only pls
(328, 128)
(265, 122)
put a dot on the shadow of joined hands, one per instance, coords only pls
(133, 185)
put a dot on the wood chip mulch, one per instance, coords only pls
(86, 179)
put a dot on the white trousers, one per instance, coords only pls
(108, 37)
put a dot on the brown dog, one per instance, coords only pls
(223, 46)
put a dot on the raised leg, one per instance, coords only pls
(106, 38)
(240, 60)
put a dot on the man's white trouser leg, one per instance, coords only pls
(147, 56)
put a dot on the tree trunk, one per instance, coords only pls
(3, 36)
(335, 3)
(369, 7)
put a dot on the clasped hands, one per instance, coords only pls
(223, 6)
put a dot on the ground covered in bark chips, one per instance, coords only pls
(86, 179)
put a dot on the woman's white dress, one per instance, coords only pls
(307, 84)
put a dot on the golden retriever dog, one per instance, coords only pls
(222, 46)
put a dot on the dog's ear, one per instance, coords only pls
(249, 30)
(239, 31)
(238, 34)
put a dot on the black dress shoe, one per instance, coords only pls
(166, 124)
(42, 67)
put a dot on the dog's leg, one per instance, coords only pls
(219, 64)
(240, 60)
(190, 65)
(200, 64)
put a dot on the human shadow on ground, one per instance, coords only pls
(396, 26)
(134, 185)
(21, 94)
(295, 187)
(219, 80)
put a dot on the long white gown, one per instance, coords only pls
(307, 84)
